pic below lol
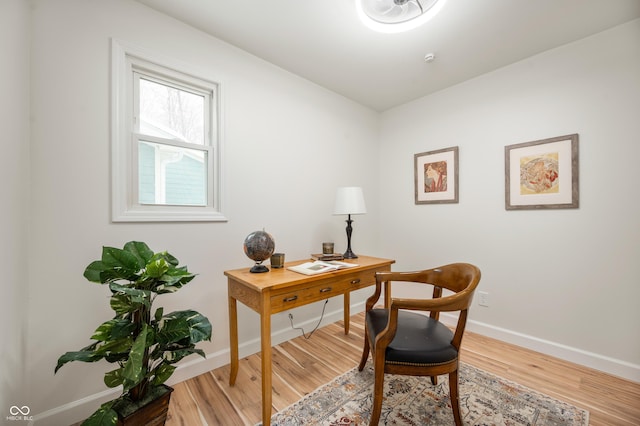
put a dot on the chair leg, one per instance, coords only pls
(453, 396)
(434, 380)
(378, 392)
(365, 352)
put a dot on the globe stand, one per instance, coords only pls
(258, 268)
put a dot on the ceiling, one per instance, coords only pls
(324, 41)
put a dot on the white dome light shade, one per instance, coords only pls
(392, 16)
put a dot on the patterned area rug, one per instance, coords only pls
(485, 399)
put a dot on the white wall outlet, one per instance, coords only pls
(483, 298)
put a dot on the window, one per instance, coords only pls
(166, 144)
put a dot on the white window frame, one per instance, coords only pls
(126, 60)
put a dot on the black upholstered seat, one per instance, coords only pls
(419, 340)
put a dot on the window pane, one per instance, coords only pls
(171, 175)
(171, 113)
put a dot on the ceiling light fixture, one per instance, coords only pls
(394, 16)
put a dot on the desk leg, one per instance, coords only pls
(233, 339)
(265, 340)
(347, 307)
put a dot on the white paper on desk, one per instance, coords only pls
(319, 267)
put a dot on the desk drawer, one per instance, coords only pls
(329, 287)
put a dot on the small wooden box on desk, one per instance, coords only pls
(281, 289)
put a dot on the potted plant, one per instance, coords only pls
(144, 344)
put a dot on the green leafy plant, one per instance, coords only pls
(146, 345)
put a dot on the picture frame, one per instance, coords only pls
(542, 174)
(436, 176)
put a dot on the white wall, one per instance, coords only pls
(284, 135)
(288, 145)
(561, 281)
(14, 175)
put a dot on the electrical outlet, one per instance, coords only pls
(483, 298)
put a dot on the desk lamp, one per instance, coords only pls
(349, 200)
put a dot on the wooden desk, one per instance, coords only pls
(280, 290)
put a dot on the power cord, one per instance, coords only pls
(315, 328)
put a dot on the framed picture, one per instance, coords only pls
(436, 176)
(542, 174)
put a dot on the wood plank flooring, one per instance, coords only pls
(300, 366)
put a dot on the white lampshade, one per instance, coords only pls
(349, 200)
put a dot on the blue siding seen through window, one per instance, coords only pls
(186, 182)
(146, 174)
(171, 177)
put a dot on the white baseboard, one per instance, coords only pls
(81, 409)
(613, 366)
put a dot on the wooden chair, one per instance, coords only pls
(411, 343)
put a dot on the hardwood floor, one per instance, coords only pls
(300, 366)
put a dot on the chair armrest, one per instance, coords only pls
(371, 300)
(454, 302)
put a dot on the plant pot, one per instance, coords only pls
(150, 411)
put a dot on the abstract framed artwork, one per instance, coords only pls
(542, 174)
(436, 176)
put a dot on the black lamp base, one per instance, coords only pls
(349, 254)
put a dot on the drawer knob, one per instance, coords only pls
(324, 290)
(290, 299)
(356, 281)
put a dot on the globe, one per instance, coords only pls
(258, 246)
